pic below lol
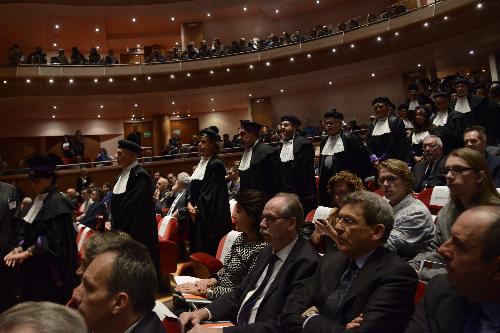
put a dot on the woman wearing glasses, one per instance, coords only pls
(413, 227)
(208, 199)
(470, 183)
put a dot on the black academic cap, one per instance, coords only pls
(250, 126)
(292, 119)
(442, 94)
(214, 128)
(461, 80)
(403, 107)
(209, 133)
(383, 100)
(413, 86)
(129, 145)
(333, 113)
(42, 165)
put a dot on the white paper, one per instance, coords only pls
(163, 225)
(162, 311)
(181, 279)
(322, 213)
(440, 196)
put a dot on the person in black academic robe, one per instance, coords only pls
(260, 166)
(343, 151)
(297, 156)
(208, 198)
(386, 137)
(46, 243)
(9, 207)
(132, 205)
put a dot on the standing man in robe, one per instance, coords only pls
(260, 167)
(340, 151)
(297, 156)
(132, 204)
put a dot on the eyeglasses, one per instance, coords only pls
(345, 221)
(272, 219)
(429, 145)
(389, 179)
(456, 170)
(332, 123)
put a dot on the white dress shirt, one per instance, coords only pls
(199, 172)
(35, 208)
(246, 158)
(121, 183)
(333, 145)
(381, 127)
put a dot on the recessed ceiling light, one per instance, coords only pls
(149, 78)
(317, 2)
(110, 79)
(268, 63)
(426, 24)
(28, 80)
(228, 69)
(330, 82)
(56, 26)
(138, 46)
(71, 80)
(250, 66)
(51, 80)
(97, 47)
(479, 5)
(445, 18)
(54, 107)
(245, 9)
(173, 102)
(96, 29)
(53, 116)
(134, 79)
(96, 80)
(471, 52)
(4, 81)
(98, 116)
(102, 106)
(211, 71)
(483, 70)
(379, 39)
(276, 10)
(212, 99)
(292, 59)
(353, 46)
(136, 105)
(249, 95)
(396, 34)
(208, 15)
(334, 50)
(134, 19)
(309, 55)
(282, 90)
(373, 74)
(133, 116)
(55, 44)
(419, 65)
(172, 76)
(172, 19)
(188, 74)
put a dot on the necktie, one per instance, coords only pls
(246, 309)
(335, 300)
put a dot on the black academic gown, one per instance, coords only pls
(50, 274)
(354, 159)
(266, 172)
(451, 133)
(9, 206)
(390, 145)
(301, 172)
(213, 219)
(133, 212)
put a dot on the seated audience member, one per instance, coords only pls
(465, 300)
(256, 304)
(72, 196)
(339, 186)
(363, 286)
(106, 187)
(226, 141)
(38, 57)
(67, 151)
(103, 155)
(155, 56)
(96, 209)
(427, 172)
(14, 55)
(421, 118)
(244, 252)
(110, 59)
(83, 181)
(162, 195)
(470, 184)
(233, 185)
(413, 228)
(94, 57)
(86, 196)
(60, 58)
(475, 138)
(41, 317)
(77, 57)
(118, 291)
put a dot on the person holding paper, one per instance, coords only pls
(470, 183)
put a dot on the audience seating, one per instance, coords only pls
(434, 198)
(172, 325)
(167, 237)
(84, 234)
(419, 293)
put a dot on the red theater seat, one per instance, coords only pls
(167, 237)
(425, 197)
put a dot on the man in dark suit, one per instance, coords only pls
(297, 156)
(467, 299)
(256, 304)
(427, 173)
(363, 286)
(475, 138)
(340, 151)
(118, 291)
(260, 166)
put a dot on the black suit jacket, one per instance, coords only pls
(297, 268)
(383, 291)
(354, 159)
(441, 311)
(494, 166)
(266, 172)
(435, 178)
(149, 324)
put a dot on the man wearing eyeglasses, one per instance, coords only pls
(340, 150)
(427, 173)
(363, 286)
(256, 304)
